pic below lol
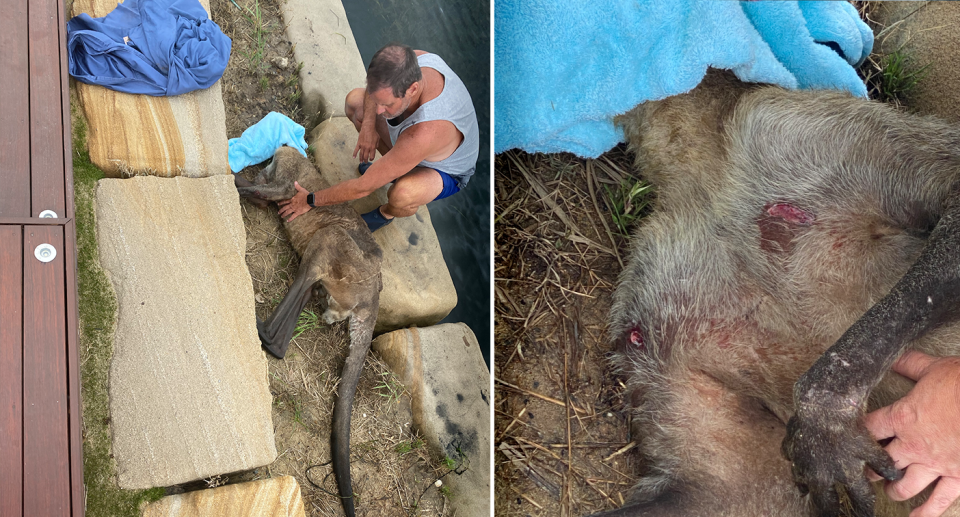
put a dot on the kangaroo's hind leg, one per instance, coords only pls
(316, 265)
(277, 330)
(717, 451)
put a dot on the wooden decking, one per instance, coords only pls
(41, 470)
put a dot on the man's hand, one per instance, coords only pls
(925, 427)
(295, 206)
(367, 142)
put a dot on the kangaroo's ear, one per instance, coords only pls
(248, 190)
(276, 191)
(239, 181)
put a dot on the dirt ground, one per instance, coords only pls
(561, 442)
(393, 473)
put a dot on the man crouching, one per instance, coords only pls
(419, 115)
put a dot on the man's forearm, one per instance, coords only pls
(341, 193)
(369, 113)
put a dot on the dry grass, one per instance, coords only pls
(561, 443)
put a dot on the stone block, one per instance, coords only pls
(183, 135)
(332, 66)
(189, 392)
(442, 367)
(926, 34)
(274, 497)
(417, 288)
(101, 8)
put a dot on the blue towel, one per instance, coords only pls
(565, 69)
(172, 47)
(260, 141)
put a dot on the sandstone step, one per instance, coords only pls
(274, 497)
(417, 288)
(449, 384)
(184, 135)
(189, 395)
(332, 66)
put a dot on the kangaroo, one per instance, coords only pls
(339, 260)
(800, 242)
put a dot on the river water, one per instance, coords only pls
(459, 32)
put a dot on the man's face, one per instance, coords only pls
(389, 106)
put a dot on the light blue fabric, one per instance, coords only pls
(172, 47)
(260, 141)
(839, 22)
(565, 69)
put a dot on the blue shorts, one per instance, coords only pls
(450, 186)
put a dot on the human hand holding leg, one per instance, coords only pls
(925, 427)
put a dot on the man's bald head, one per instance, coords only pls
(394, 66)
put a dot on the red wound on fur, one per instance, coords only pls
(636, 338)
(790, 214)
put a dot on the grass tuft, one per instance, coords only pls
(390, 388)
(450, 463)
(308, 320)
(294, 97)
(408, 446)
(627, 203)
(257, 54)
(255, 17)
(898, 77)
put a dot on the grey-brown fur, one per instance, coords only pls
(340, 261)
(781, 218)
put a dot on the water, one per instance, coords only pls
(459, 32)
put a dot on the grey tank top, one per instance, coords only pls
(455, 105)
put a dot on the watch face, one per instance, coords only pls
(310, 199)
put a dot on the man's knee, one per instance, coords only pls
(415, 189)
(403, 193)
(353, 106)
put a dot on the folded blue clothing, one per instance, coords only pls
(260, 141)
(152, 47)
(564, 70)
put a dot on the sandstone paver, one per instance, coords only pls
(274, 497)
(449, 384)
(189, 395)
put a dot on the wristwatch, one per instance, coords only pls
(310, 200)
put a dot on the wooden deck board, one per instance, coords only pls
(46, 111)
(46, 450)
(11, 368)
(14, 111)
